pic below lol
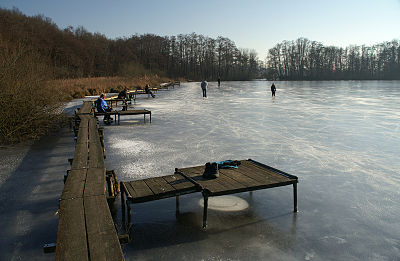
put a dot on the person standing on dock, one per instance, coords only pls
(273, 89)
(204, 88)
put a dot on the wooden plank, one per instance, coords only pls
(179, 182)
(106, 113)
(93, 131)
(81, 156)
(83, 136)
(75, 184)
(98, 216)
(197, 174)
(83, 117)
(84, 123)
(228, 182)
(134, 112)
(242, 179)
(86, 107)
(279, 175)
(129, 190)
(247, 177)
(103, 240)
(212, 184)
(95, 182)
(159, 186)
(71, 237)
(139, 189)
(96, 155)
(258, 174)
(262, 175)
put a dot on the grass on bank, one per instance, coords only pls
(79, 88)
(32, 101)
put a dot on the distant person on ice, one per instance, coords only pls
(204, 88)
(219, 82)
(273, 89)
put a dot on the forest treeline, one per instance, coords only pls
(303, 59)
(75, 52)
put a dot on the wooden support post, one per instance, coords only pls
(295, 197)
(177, 206)
(150, 117)
(66, 176)
(101, 134)
(70, 122)
(123, 206)
(109, 185)
(129, 214)
(205, 197)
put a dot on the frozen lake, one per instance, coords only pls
(341, 138)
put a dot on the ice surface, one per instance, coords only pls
(341, 138)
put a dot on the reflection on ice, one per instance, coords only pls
(225, 203)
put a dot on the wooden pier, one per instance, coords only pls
(86, 230)
(249, 176)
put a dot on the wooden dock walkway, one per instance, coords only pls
(249, 176)
(86, 230)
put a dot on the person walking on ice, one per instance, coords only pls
(273, 89)
(204, 88)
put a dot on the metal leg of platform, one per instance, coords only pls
(205, 197)
(295, 197)
(123, 206)
(177, 206)
(123, 202)
(129, 214)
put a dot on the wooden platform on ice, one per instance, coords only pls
(249, 176)
(124, 113)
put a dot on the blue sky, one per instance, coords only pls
(252, 24)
